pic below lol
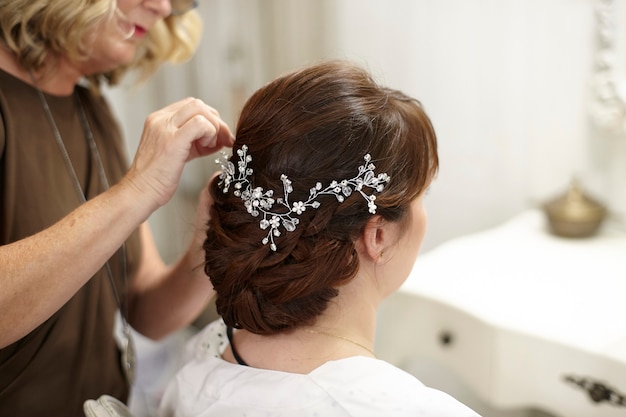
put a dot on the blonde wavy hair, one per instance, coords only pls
(39, 31)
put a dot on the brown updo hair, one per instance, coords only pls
(313, 125)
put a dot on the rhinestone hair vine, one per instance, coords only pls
(259, 202)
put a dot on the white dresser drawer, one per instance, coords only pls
(512, 312)
(411, 327)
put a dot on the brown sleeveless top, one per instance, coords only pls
(72, 356)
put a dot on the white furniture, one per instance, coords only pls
(513, 311)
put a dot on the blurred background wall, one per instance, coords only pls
(507, 83)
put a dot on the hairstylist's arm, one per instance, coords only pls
(166, 299)
(40, 273)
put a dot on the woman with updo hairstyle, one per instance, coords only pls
(316, 217)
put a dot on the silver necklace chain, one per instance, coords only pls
(336, 336)
(128, 350)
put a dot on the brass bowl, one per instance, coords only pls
(574, 214)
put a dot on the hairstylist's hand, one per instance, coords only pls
(172, 136)
(205, 202)
(196, 250)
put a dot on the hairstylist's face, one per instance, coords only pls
(114, 41)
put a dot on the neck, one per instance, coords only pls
(60, 81)
(352, 314)
(345, 329)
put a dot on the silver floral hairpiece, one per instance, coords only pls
(258, 201)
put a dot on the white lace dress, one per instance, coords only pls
(208, 386)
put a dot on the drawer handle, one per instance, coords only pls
(598, 392)
(446, 338)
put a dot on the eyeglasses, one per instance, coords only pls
(180, 7)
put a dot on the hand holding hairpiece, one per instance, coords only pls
(258, 201)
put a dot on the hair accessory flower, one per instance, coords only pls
(261, 202)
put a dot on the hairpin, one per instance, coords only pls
(260, 202)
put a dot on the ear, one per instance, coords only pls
(376, 237)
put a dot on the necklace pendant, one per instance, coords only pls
(128, 358)
(124, 340)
